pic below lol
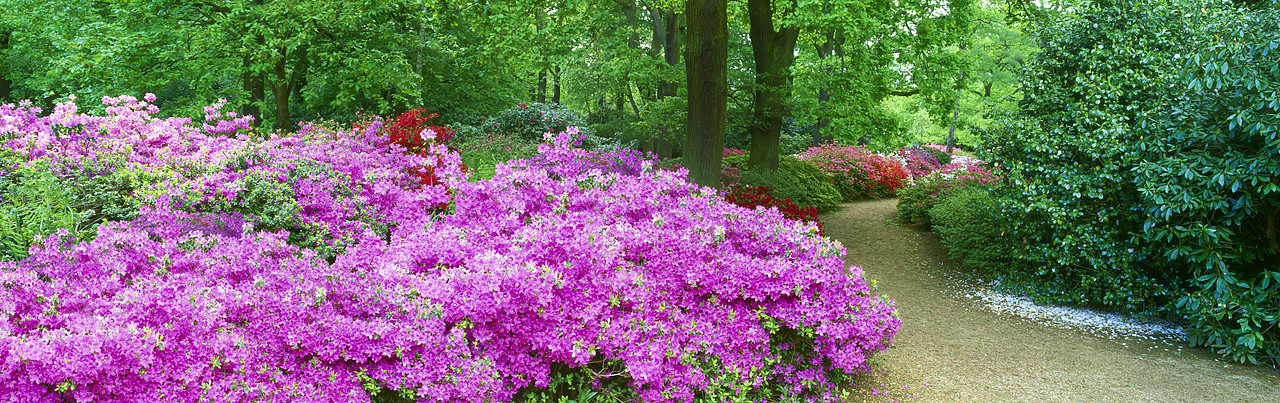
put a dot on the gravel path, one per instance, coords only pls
(961, 341)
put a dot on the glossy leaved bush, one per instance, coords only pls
(572, 267)
(1211, 182)
(1143, 173)
(1069, 157)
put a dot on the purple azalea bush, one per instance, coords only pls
(568, 260)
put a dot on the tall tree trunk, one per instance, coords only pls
(540, 25)
(955, 115)
(825, 51)
(257, 90)
(666, 43)
(774, 51)
(253, 82)
(555, 91)
(284, 84)
(541, 95)
(6, 82)
(706, 60)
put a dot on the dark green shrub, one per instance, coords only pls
(1145, 160)
(804, 184)
(530, 121)
(1070, 154)
(975, 231)
(941, 156)
(914, 202)
(1209, 183)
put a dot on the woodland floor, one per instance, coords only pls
(952, 349)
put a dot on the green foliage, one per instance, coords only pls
(482, 153)
(1209, 182)
(34, 202)
(797, 180)
(38, 199)
(665, 118)
(941, 156)
(1147, 163)
(616, 129)
(1070, 158)
(916, 201)
(975, 230)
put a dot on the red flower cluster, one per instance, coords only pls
(890, 177)
(412, 132)
(751, 196)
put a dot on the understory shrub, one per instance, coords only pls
(1144, 163)
(939, 155)
(33, 202)
(915, 201)
(752, 196)
(530, 121)
(975, 231)
(794, 179)
(570, 267)
(920, 161)
(857, 172)
(484, 152)
(1069, 156)
(1209, 182)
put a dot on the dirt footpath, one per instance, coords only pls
(951, 349)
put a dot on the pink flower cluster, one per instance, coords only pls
(943, 148)
(917, 162)
(213, 113)
(572, 258)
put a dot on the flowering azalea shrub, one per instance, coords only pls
(919, 161)
(794, 179)
(411, 131)
(857, 172)
(568, 263)
(915, 202)
(752, 196)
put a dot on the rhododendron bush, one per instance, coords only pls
(858, 172)
(569, 260)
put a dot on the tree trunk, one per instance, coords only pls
(955, 115)
(6, 83)
(824, 94)
(555, 89)
(541, 95)
(284, 84)
(774, 52)
(666, 40)
(706, 61)
(252, 82)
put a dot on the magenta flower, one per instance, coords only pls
(312, 264)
